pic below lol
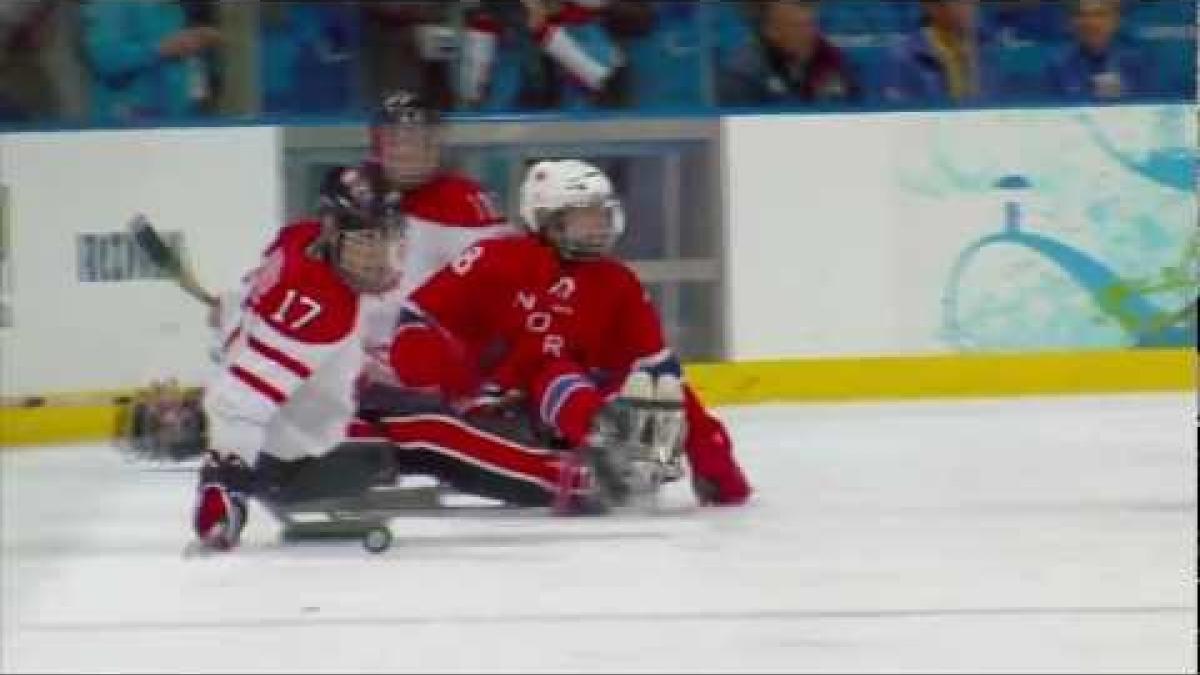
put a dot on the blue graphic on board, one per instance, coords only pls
(1148, 325)
(1171, 166)
(1111, 260)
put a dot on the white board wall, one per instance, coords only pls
(221, 187)
(844, 231)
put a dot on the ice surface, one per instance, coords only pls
(1045, 534)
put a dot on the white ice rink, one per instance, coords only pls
(1043, 535)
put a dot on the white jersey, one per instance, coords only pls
(286, 380)
(380, 316)
(287, 373)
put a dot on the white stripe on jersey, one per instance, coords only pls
(313, 383)
(272, 372)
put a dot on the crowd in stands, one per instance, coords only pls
(145, 61)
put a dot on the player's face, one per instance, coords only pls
(367, 259)
(590, 229)
(409, 153)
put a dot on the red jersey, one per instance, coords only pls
(452, 199)
(502, 292)
(522, 317)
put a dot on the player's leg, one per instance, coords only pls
(716, 476)
(500, 456)
(491, 452)
(345, 472)
(471, 459)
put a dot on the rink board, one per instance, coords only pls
(80, 417)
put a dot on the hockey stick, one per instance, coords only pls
(168, 259)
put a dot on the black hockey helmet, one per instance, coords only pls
(360, 219)
(405, 138)
(405, 107)
(356, 198)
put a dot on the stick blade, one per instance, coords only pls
(155, 248)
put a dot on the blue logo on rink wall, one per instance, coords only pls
(1080, 226)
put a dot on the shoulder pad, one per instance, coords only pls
(454, 200)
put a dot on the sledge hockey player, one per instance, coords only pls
(445, 209)
(444, 212)
(551, 319)
(285, 387)
(286, 391)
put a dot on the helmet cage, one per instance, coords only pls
(578, 242)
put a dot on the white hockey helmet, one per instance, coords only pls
(573, 206)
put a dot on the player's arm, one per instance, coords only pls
(640, 342)
(478, 299)
(439, 321)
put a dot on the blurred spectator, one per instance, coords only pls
(947, 59)
(572, 33)
(408, 44)
(28, 89)
(309, 57)
(675, 48)
(501, 66)
(1098, 66)
(867, 17)
(203, 14)
(539, 53)
(1165, 32)
(793, 61)
(1021, 22)
(145, 62)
